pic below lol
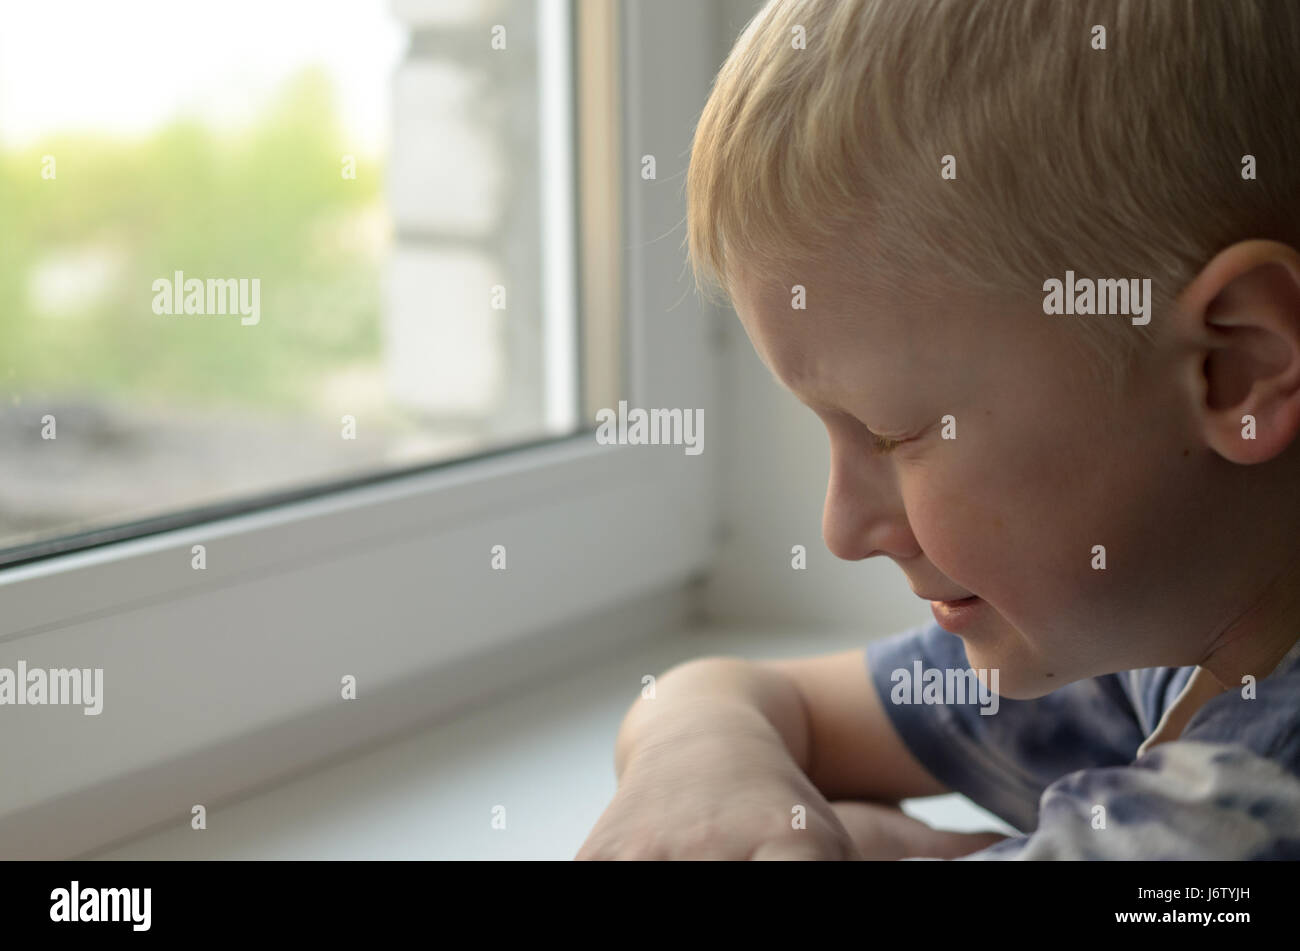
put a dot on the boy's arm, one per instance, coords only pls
(824, 709)
(829, 718)
(857, 757)
(854, 752)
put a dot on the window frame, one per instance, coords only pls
(390, 580)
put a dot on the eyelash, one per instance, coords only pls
(883, 445)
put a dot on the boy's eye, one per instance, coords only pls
(882, 444)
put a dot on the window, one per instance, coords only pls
(338, 240)
(226, 673)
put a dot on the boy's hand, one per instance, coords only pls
(717, 794)
(882, 831)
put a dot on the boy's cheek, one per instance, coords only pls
(995, 535)
(964, 532)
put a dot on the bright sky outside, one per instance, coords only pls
(128, 66)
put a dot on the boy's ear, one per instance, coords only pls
(1242, 316)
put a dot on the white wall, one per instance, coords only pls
(774, 466)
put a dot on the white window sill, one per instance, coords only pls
(545, 753)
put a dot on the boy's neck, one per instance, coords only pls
(1257, 641)
(1253, 645)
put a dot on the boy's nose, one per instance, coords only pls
(864, 514)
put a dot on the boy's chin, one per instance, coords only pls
(1018, 677)
(1015, 687)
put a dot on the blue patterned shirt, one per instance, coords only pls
(1227, 788)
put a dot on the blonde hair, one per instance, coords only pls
(1118, 162)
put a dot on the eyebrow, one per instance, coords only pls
(814, 402)
(820, 406)
(826, 408)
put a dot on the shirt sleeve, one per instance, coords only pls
(1005, 758)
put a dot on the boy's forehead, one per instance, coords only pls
(828, 300)
(785, 339)
(803, 331)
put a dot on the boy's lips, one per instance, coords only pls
(956, 614)
(937, 600)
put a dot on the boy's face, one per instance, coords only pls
(1046, 464)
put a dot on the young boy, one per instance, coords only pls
(1034, 266)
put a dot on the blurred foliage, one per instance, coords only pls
(268, 202)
